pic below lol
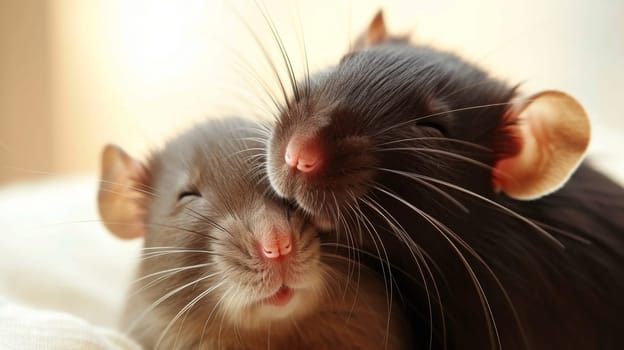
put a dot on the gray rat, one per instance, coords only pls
(229, 265)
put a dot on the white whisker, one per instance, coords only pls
(489, 201)
(444, 231)
(186, 308)
(154, 305)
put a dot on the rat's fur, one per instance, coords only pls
(208, 203)
(410, 136)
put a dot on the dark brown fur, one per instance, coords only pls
(393, 110)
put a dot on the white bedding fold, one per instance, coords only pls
(22, 328)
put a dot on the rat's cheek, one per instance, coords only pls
(323, 223)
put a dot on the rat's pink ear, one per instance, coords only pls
(553, 132)
(123, 195)
(375, 34)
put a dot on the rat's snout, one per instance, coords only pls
(276, 244)
(304, 153)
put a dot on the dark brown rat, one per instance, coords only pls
(435, 162)
(227, 264)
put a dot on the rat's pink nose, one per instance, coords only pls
(303, 153)
(275, 245)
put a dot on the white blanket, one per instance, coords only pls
(24, 328)
(56, 258)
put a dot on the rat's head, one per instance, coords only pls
(214, 234)
(390, 110)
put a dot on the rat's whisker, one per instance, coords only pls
(487, 200)
(282, 48)
(439, 191)
(439, 151)
(418, 258)
(266, 55)
(487, 309)
(440, 139)
(444, 113)
(156, 254)
(384, 263)
(176, 269)
(214, 309)
(168, 295)
(184, 310)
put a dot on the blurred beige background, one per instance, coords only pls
(76, 74)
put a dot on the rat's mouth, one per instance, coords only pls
(282, 297)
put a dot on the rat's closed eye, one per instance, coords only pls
(436, 127)
(188, 194)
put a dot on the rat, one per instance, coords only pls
(451, 175)
(229, 265)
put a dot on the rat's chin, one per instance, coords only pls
(286, 303)
(282, 297)
(248, 310)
